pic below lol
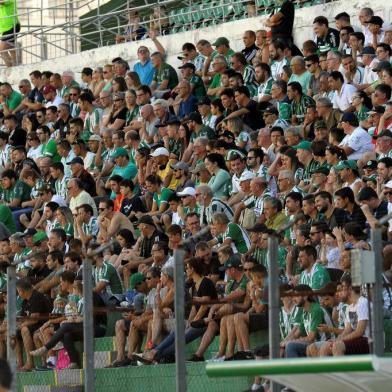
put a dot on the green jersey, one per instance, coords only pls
(131, 115)
(50, 150)
(18, 258)
(91, 121)
(20, 191)
(91, 228)
(250, 80)
(166, 72)
(108, 274)
(8, 15)
(239, 238)
(205, 131)
(163, 197)
(14, 100)
(7, 219)
(198, 88)
(312, 318)
(233, 285)
(288, 320)
(299, 109)
(317, 278)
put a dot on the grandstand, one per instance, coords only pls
(270, 158)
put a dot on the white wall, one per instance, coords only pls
(173, 43)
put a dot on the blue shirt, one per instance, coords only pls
(127, 172)
(145, 72)
(187, 107)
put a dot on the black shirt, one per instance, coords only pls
(147, 243)
(36, 95)
(381, 210)
(62, 126)
(357, 215)
(253, 118)
(285, 27)
(17, 137)
(250, 52)
(36, 276)
(206, 289)
(37, 303)
(329, 42)
(134, 204)
(338, 218)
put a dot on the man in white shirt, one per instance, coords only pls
(343, 92)
(51, 97)
(357, 141)
(370, 62)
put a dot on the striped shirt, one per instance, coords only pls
(91, 228)
(5, 157)
(240, 241)
(91, 120)
(61, 187)
(215, 206)
(250, 81)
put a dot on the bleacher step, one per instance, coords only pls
(52, 388)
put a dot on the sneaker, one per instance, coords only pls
(196, 358)
(217, 359)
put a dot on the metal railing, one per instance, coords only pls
(73, 26)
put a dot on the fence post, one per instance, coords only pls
(88, 327)
(378, 315)
(273, 302)
(11, 317)
(179, 300)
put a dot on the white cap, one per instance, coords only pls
(160, 151)
(188, 191)
(247, 175)
(388, 184)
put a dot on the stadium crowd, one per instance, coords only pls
(214, 158)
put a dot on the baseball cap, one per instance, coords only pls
(271, 110)
(377, 109)
(188, 65)
(320, 124)
(39, 237)
(136, 279)
(370, 165)
(147, 220)
(372, 178)
(221, 41)
(159, 152)
(321, 170)
(76, 160)
(368, 50)
(29, 232)
(388, 185)
(384, 133)
(48, 89)
(234, 154)
(204, 101)
(119, 152)
(247, 175)
(199, 167)
(381, 66)
(188, 191)
(349, 117)
(180, 166)
(94, 138)
(348, 164)
(232, 261)
(258, 228)
(304, 145)
(228, 134)
(376, 20)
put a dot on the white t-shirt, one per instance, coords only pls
(360, 141)
(56, 102)
(369, 76)
(35, 153)
(358, 312)
(342, 99)
(390, 220)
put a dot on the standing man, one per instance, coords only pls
(9, 27)
(250, 50)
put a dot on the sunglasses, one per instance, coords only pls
(388, 193)
(101, 209)
(148, 278)
(308, 65)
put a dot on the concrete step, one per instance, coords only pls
(52, 388)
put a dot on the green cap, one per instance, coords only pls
(349, 164)
(136, 279)
(322, 169)
(304, 145)
(320, 124)
(232, 261)
(221, 41)
(372, 177)
(119, 152)
(39, 237)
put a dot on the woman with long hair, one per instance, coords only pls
(126, 241)
(217, 110)
(65, 221)
(334, 154)
(241, 132)
(286, 159)
(132, 107)
(33, 146)
(98, 82)
(334, 181)
(185, 136)
(116, 119)
(132, 80)
(220, 181)
(30, 122)
(362, 104)
(119, 84)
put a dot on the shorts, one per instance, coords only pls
(258, 322)
(357, 346)
(10, 35)
(31, 328)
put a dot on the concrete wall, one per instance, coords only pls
(172, 43)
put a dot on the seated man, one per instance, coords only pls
(234, 294)
(313, 316)
(34, 306)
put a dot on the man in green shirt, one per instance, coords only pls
(49, 146)
(108, 283)
(6, 218)
(9, 26)
(13, 191)
(222, 45)
(165, 76)
(314, 274)
(9, 98)
(299, 102)
(197, 86)
(307, 330)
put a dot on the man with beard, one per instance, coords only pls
(39, 270)
(278, 60)
(334, 217)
